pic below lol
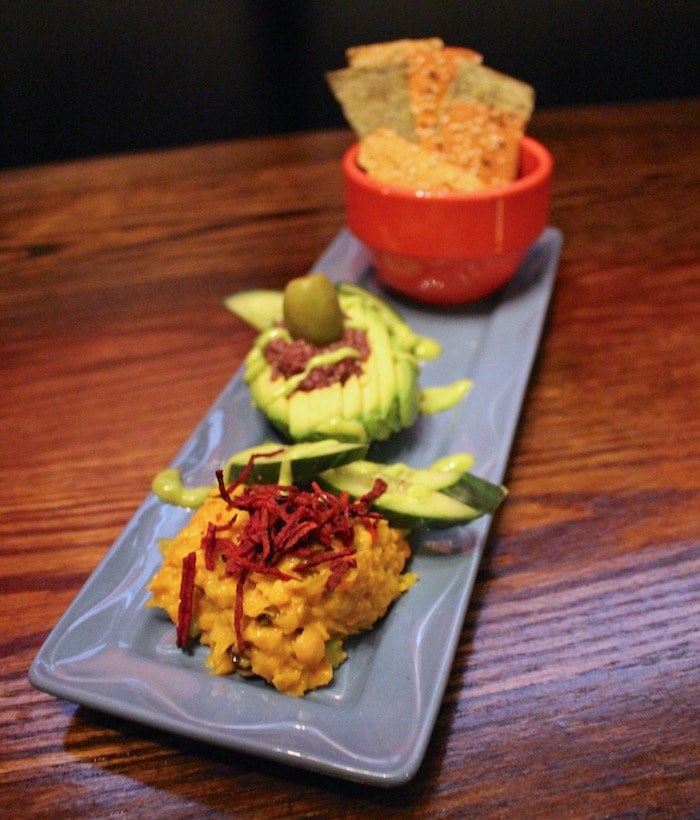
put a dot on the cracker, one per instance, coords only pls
(389, 158)
(482, 122)
(374, 96)
(442, 98)
(484, 85)
(430, 67)
(482, 140)
(431, 74)
(395, 51)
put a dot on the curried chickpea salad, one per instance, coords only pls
(273, 578)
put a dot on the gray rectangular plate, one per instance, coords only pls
(373, 723)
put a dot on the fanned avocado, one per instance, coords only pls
(374, 398)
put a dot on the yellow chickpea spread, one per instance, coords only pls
(272, 579)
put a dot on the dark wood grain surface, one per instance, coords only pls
(576, 686)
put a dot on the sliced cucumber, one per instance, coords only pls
(363, 473)
(259, 308)
(292, 463)
(417, 498)
(477, 492)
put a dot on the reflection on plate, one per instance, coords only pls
(373, 723)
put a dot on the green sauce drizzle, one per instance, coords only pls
(458, 463)
(437, 399)
(168, 486)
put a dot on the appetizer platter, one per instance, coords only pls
(372, 722)
(295, 584)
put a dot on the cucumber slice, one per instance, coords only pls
(292, 463)
(417, 498)
(362, 473)
(477, 492)
(259, 308)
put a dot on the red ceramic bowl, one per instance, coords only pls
(449, 248)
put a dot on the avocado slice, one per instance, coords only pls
(260, 308)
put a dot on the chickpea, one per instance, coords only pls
(309, 647)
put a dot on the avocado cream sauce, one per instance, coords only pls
(289, 385)
(437, 399)
(168, 486)
(458, 463)
(426, 348)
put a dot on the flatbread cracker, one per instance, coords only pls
(395, 51)
(482, 140)
(482, 121)
(431, 68)
(431, 74)
(391, 159)
(372, 96)
(440, 97)
(484, 85)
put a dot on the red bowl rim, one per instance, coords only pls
(540, 173)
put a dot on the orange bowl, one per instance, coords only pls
(449, 248)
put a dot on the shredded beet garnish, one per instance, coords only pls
(209, 546)
(338, 569)
(184, 612)
(314, 526)
(209, 542)
(324, 557)
(238, 610)
(378, 489)
(223, 492)
(248, 469)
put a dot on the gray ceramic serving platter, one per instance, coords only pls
(372, 724)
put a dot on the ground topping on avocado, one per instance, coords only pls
(287, 358)
(315, 526)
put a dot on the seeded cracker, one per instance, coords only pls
(430, 69)
(431, 73)
(389, 158)
(395, 51)
(443, 99)
(482, 121)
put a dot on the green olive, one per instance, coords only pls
(312, 310)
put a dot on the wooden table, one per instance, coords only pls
(576, 687)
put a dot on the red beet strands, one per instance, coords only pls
(315, 526)
(184, 612)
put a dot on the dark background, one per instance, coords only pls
(86, 77)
